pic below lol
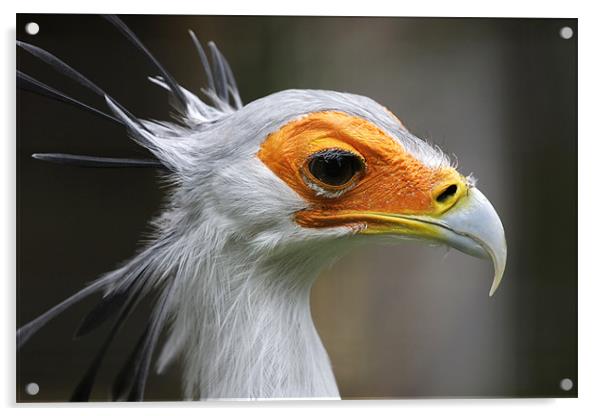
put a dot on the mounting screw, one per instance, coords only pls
(32, 389)
(566, 384)
(566, 32)
(32, 28)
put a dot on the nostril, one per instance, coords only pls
(447, 193)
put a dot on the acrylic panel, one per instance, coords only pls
(315, 208)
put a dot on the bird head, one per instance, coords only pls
(311, 165)
(301, 165)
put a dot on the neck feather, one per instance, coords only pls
(243, 325)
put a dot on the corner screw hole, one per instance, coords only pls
(566, 384)
(32, 28)
(566, 32)
(32, 389)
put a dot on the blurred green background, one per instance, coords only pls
(398, 321)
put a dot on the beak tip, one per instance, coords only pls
(497, 279)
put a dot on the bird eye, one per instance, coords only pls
(334, 167)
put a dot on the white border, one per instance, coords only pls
(590, 196)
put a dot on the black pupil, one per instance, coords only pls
(334, 167)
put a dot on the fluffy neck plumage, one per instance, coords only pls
(243, 324)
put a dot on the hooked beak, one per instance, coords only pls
(471, 225)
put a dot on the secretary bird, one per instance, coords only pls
(264, 196)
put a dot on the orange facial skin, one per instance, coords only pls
(392, 181)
